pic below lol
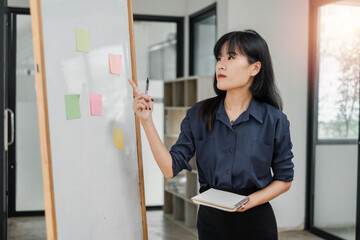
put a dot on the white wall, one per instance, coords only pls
(222, 17)
(284, 25)
(193, 6)
(159, 7)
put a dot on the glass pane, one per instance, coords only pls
(29, 187)
(155, 44)
(339, 68)
(204, 41)
(336, 164)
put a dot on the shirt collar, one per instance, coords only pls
(255, 109)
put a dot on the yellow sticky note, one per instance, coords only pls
(119, 138)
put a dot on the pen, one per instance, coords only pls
(147, 85)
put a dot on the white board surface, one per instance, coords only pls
(96, 185)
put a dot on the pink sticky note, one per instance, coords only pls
(96, 104)
(115, 64)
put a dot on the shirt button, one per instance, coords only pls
(231, 150)
(228, 171)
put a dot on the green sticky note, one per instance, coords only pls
(72, 106)
(82, 40)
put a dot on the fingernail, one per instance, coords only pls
(152, 99)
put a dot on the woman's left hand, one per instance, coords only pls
(246, 206)
(266, 194)
(243, 208)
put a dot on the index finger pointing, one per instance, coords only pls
(133, 85)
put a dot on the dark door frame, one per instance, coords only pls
(3, 158)
(313, 79)
(11, 41)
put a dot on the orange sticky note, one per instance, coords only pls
(96, 104)
(118, 138)
(115, 64)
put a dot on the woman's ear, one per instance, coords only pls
(255, 68)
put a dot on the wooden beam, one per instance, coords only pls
(42, 105)
(137, 123)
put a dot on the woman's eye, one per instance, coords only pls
(231, 57)
(218, 59)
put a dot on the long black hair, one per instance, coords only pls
(263, 87)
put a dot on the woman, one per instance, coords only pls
(238, 137)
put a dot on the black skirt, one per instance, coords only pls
(256, 223)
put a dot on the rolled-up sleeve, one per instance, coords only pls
(183, 150)
(282, 165)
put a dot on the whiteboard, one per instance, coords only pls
(96, 186)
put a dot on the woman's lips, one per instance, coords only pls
(221, 76)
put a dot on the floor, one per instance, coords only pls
(344, 232)
(159, 228)
(170, 230)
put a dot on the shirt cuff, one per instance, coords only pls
(285, 175)
(178, 166)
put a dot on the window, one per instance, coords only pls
(159, 47)
(202, 41)
(339, 71)
(333, 150)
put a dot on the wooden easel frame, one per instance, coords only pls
(44, 132)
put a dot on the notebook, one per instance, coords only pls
(219, 199)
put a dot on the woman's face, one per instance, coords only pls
(233, 70)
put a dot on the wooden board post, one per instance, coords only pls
(44, 133)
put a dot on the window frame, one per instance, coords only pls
(12, 13)
(312, 127)
(193, 19)
(179, 36)
(3, 102)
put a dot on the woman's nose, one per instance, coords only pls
(220, 65)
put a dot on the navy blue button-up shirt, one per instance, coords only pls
(238, 156)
